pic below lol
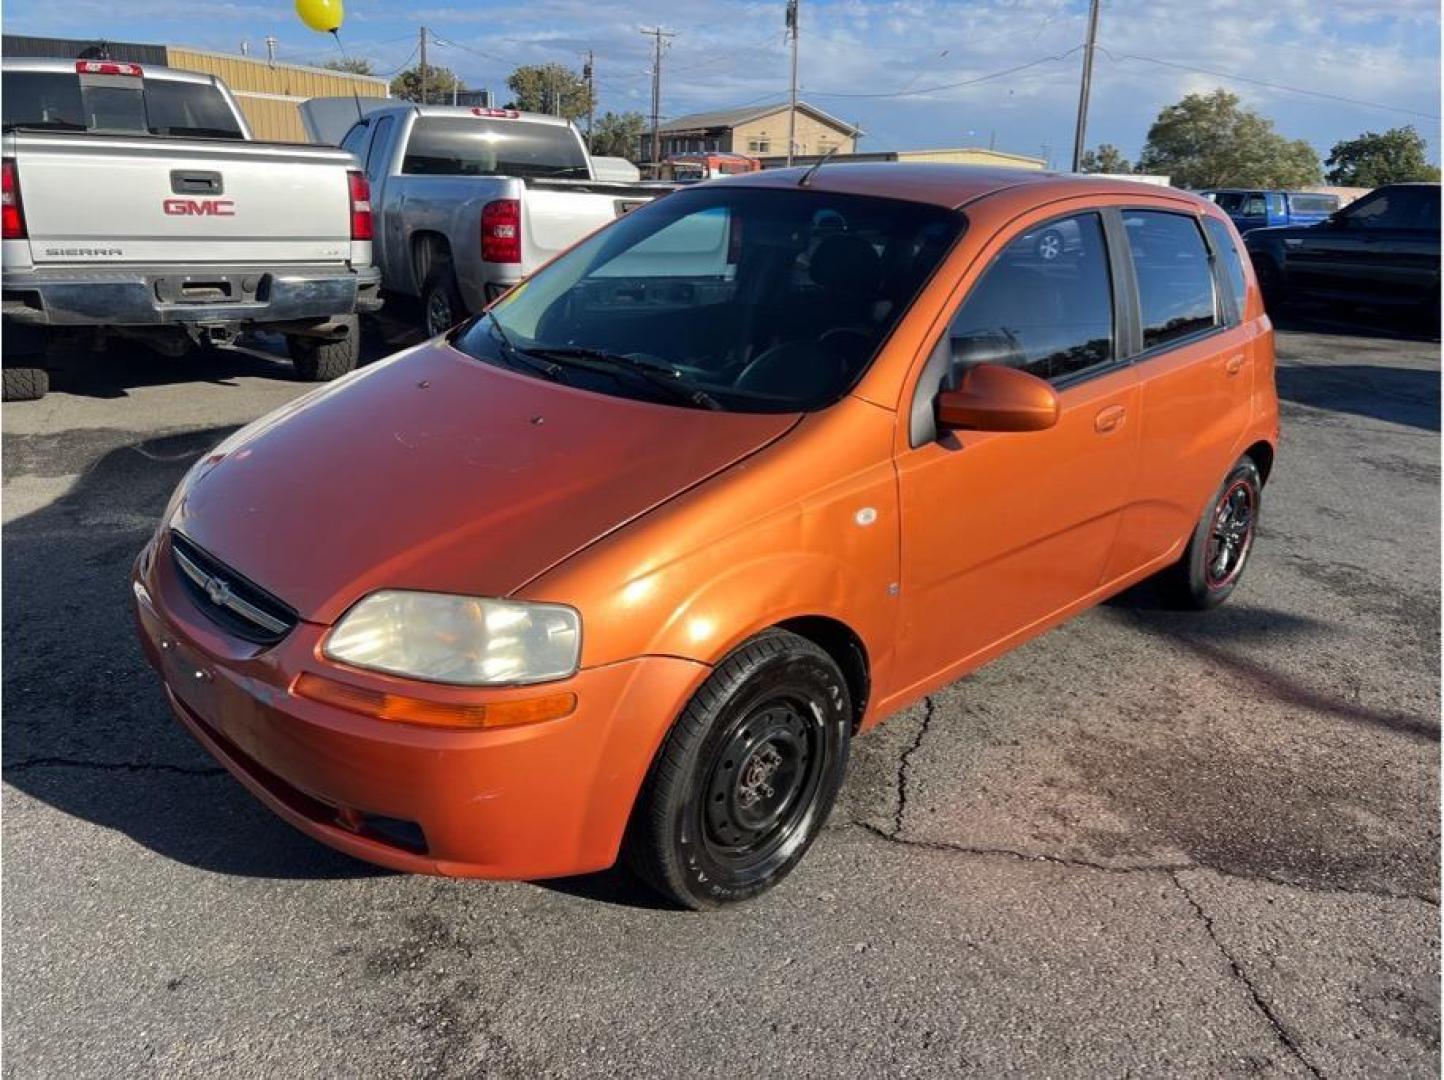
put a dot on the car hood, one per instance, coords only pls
(436, 471)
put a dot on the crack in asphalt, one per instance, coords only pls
(110, 766)
(929, 709)
(1280, 1032)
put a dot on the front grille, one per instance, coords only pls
(239, 606)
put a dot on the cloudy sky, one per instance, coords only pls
(918, 73)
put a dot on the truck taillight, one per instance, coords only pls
(360, 205)
(13, 212)
(501, 231)
(106, 67)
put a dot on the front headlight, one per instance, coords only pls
(466, 640)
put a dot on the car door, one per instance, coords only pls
(1337, 256)
(1399, 227)
(378, 169)
(1253, 212)
(1195, 363)
(1001, 531)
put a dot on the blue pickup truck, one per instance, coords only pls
(1256, 209)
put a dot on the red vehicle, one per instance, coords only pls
(693, 168)
(623, 564)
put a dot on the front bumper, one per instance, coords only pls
(161, 295)
(542, 800)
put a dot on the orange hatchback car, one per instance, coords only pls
(623, 564)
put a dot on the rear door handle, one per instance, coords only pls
(1109, 419)
(1234, 364)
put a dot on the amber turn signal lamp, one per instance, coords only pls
(410, 710)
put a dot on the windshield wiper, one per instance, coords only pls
(516, 357)
(45, 125)
(663, 376)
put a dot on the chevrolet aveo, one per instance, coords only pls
(622, 565)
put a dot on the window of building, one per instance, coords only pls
(759, 146)
(1045, 304)
(1175, 279)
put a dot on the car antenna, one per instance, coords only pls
(806, 179)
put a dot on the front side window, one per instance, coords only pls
(483, 146)
(1395, 208)
(1175, 279)
(1044, 304)
(1254, 206)
(744, 299)
(1231, 261)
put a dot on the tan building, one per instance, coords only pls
(758, 130)
(270, 94)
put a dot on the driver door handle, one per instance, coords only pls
(1109, 419)
(1234, 364)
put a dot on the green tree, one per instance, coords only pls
(407, 85)
(1107, 158)
(352, 65)
(1209, 140)
(1395, 156)
(619, 135)
(549, 88)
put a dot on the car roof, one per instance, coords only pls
(945, 184)
(151, 71)
(476, 112)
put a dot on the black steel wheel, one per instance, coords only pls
(1219, 548)
(441, 304)
(747, 776)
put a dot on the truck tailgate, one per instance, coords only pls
(558, 214)
(122, 199)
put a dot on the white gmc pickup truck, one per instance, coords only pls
(136, 204)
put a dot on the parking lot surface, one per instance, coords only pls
(1146, 843)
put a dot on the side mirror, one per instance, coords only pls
(993, 398)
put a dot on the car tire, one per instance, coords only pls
(1271, 285)
(1221, 543)
(317, 360)
(25, 383)
(441, 304)
(747, 776)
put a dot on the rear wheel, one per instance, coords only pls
(746, 778)
(441, 304)
(1221, 543)
(25, 383)
(319, 360)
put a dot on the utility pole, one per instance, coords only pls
(455, 82)
(589, 74)
(1089, 45)
(792, 93)
(423, 65)
(658, 35)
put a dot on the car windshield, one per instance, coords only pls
(739, 298)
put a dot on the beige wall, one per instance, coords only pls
(973, 156)
(813, 136)
(268, 95)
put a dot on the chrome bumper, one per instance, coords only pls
(155, 296)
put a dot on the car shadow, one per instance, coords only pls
(1234, 633)
(1400, 395)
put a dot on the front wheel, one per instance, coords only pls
(746, 778)
(1220, 545)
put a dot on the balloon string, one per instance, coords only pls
(336, 37)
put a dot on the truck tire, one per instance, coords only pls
(441, 304)
(321, 361)
(25, 383)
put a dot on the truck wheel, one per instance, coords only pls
(441, 304)
(321, 361)
(747, 776)
(25, 383)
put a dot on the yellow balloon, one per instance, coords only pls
(323, 15)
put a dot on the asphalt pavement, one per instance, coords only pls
(1144, 844)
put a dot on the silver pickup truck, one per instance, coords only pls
(469, 201)
(137, 205)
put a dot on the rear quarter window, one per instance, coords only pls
(1231, 262)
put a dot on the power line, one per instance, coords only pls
(1268, 85)
(952, 86)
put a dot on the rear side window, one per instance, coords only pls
(1045, 304)
(472, 146)
(1175, 279)
(63, 101)
(1229, 260)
